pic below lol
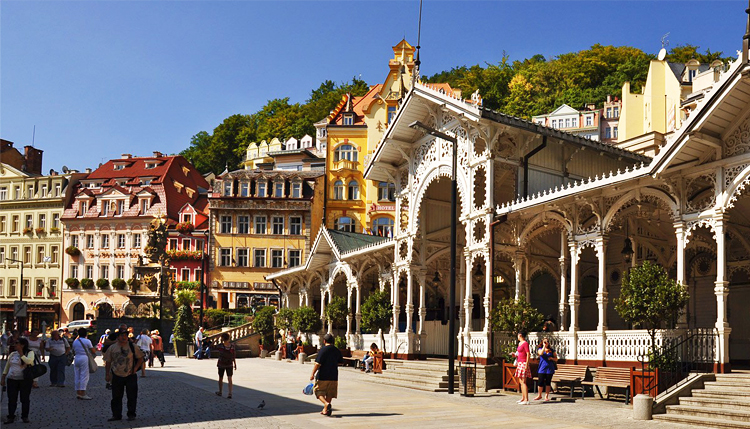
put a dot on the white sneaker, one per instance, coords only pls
(524, 403)
(86, 397)
(519, 401)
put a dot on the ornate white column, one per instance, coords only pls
(518, 264)
(349, 311)
(601, 296)
(409, 301)
(323, 292)
(681, 235)
(468, 301)
(574, 300)
(394, 300)
(721, 290)
(487, 294)
(358, 314)
(301, 296)
(421, 279)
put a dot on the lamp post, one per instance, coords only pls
(202, 286)
(20, 289)
(454, 220)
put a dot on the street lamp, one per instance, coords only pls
(454, 220)
(17, 304)
(204, 249)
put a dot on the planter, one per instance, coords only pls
(180, 348)
(646, 382)
(263, 354)
(509, 379)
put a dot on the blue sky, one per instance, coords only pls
(100, 78)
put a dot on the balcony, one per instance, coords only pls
(345, 164)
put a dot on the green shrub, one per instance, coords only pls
(214, 317)
(336, 312)
(102, 283)
(185, 298)
(119, 284)
(184, 328)
(284, 319)
(306, 319)
(186, 285)
(340, 343)
(134, 284)
(72, 282)
(87, 283)
(263, 323)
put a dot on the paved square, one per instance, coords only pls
(181, 395)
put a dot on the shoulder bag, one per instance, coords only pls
(35, 370)
(92, 363)
(70, 356)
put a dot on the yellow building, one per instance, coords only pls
(351, 132)
(261, 222)
(31, 206)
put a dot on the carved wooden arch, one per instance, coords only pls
(634, 194)
(529, 232)
(346, 270)
(735, 189)
(438, 171)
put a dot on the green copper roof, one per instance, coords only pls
(348, 241)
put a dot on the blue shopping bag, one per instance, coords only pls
(308, 390)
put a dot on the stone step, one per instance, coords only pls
(710, 412)
(719, 385)
(694, 421)
(396, 375)
(724, 402)
(409, 384)
(720, 393)
(418, 371)
(739, 378)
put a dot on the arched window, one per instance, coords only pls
(345, 151)
(78, 311)
(382, 226)
(386, 191)
(338, 190)
(353, 190)
(344, 223)
(104, 311)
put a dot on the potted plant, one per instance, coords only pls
(184, 328)
(39, 231)
(263, 324)
(27, 230)
(185, 227)
(102, 283)
(87, 283)
(134, 284)
(119, 284)
(54, 230)
(377, 313)
(306, 320)
(72, 251)
(72, 282)
(510, 317)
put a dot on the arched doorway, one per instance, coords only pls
(103, 311)
(78, 310)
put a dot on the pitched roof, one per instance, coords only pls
(349, 241)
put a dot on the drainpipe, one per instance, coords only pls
(281, 295)
(498, 220)
(525, 161)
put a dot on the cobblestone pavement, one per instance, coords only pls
(181, 395)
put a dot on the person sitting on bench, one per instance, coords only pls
(370, 357)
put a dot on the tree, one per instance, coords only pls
(263, 324)
(649, 299)
(684, 53)
(184, 325)
(284, 318)
(336, 312)
(306, 320)
(377, 312)
(513, 316)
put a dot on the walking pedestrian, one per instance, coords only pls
(16, 382)
(227, 361)
(326, 374)
(81, 363)
(289, 344)
(143, 341)
(121, 365)
(36, 345)
(199, 343)
(4, 345)
(157, 348)
(58, 349)
(102, 339)
(547, 367)
(171, 344)
(522, 367)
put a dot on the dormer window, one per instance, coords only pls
(278, 189)
(119, 167)
(178, 186)
(105, 208)
(227, 188)
(150, 165)
(145, 182)
(189, 192)
(349, 119)
(244, 189)
(187, 217)
(297, 190)
(83, 207)
(120, 207)
(261, 189)
(186, 171)
(44, 191)
(144, 204)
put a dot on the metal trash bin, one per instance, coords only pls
(468, 376)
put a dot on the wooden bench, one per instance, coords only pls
(574, 375)
(611, 377)
(356, 359)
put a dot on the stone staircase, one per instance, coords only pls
(430, 375)
(724, 403)
(241, 336)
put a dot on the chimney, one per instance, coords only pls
(88, 171)
(609, 98)
(158, 154)
(126, 156)
(32, 159)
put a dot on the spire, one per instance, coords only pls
(417, 62)
(746, 37)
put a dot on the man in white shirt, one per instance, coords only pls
(143, 342)
(199, 343)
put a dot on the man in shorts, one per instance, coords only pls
(327, 370)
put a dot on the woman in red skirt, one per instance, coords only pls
(522, 367)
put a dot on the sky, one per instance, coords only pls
(102, 78)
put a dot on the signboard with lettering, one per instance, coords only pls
(382, 207)
(263, 286)
(236, 285)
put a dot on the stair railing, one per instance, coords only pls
(695, 350)
(235, 334)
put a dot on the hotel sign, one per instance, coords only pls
(383, 208)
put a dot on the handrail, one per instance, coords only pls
(235, 334)
(683, 358)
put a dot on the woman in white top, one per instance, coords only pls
(81, 363)
(36, 345)
(143, 341)
(13, 377)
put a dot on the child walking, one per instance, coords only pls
(227, 363)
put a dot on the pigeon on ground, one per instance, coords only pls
(262, 404)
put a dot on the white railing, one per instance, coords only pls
(588, 345)
(478, 345)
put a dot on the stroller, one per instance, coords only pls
(204, 352)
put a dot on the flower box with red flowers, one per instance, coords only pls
(185, 255)
(39, 231)
(185, 227)
(27, 230)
